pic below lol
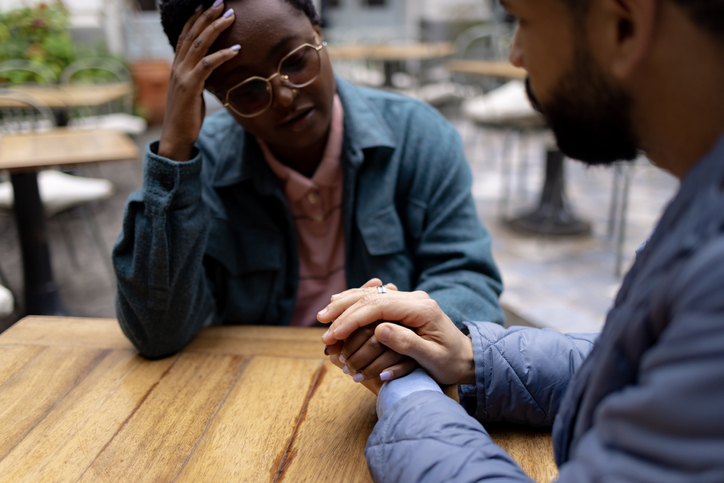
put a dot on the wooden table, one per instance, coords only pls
(23, 155)
(72, 95)
(243, 403)
(391, 54)
(502, 69)
(404, 51)
(62, 146)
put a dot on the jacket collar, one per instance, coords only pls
(242, 159)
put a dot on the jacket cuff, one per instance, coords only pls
(169, 183)
(395, 390)
(472, 396)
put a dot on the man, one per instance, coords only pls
(304, 186)
(644, 400)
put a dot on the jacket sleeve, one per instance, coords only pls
(163, 296)
(453, 251)
(521, 376)
(427, 437)
(521, 373)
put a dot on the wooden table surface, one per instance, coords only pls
(73, 95)
(502, 69)
(62, 146)
(422, 50)
(243, 403)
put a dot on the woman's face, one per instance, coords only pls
(268, 30)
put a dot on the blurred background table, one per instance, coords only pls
(23, 154)
(391, 51)
(509, 109)
(490, 68)
(391, 54)
(239, 403)
(72, 95)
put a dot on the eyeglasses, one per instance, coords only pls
(297, 69)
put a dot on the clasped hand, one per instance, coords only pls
(380, 350)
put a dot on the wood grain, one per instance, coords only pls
(254, 340)
(66, 332)
(62, 146)
(66, 442)
(156, 441)
(532, 449)
(78, 404)
(251, 434)
(331, 437)
(31, 393)
(14, 358)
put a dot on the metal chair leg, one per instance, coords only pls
(622, 222)
(505, 174)
(101, 246)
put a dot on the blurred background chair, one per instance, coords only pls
(7, 302)
(59, 192)
(116, 115)
(508, 110)
(21, 71)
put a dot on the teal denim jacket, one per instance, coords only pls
(212, 241)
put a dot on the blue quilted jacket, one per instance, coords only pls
(642, 402)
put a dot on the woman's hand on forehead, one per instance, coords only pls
(192, 66)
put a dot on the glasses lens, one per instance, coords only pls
(250, 97)
(302, 66)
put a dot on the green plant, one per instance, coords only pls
(41, 34)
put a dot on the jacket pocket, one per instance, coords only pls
(382, 232)
(247, 250)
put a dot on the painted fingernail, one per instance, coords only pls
(198, 8)
(346, 370)
(235, 48)
(217, 3)
(385, 375)
(325, 350)
(342, 359)
(229, 13)
(358, 377)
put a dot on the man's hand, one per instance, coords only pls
(191, 67)
(436, 344)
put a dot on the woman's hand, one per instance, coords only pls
(435, 343)
(185, 108)
(362, 357)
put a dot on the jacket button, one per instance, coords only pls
(167, 183)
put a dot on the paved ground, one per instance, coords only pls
(566, 284)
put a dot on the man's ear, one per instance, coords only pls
(624, 32)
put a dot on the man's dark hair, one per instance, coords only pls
(707, 14)
(175, 14)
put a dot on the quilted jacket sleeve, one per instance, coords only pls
(521, 373)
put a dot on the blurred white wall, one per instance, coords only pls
(452, 10)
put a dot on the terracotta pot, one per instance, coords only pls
(151, 79)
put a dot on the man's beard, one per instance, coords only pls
(590, 117)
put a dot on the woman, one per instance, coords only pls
(303, 187)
